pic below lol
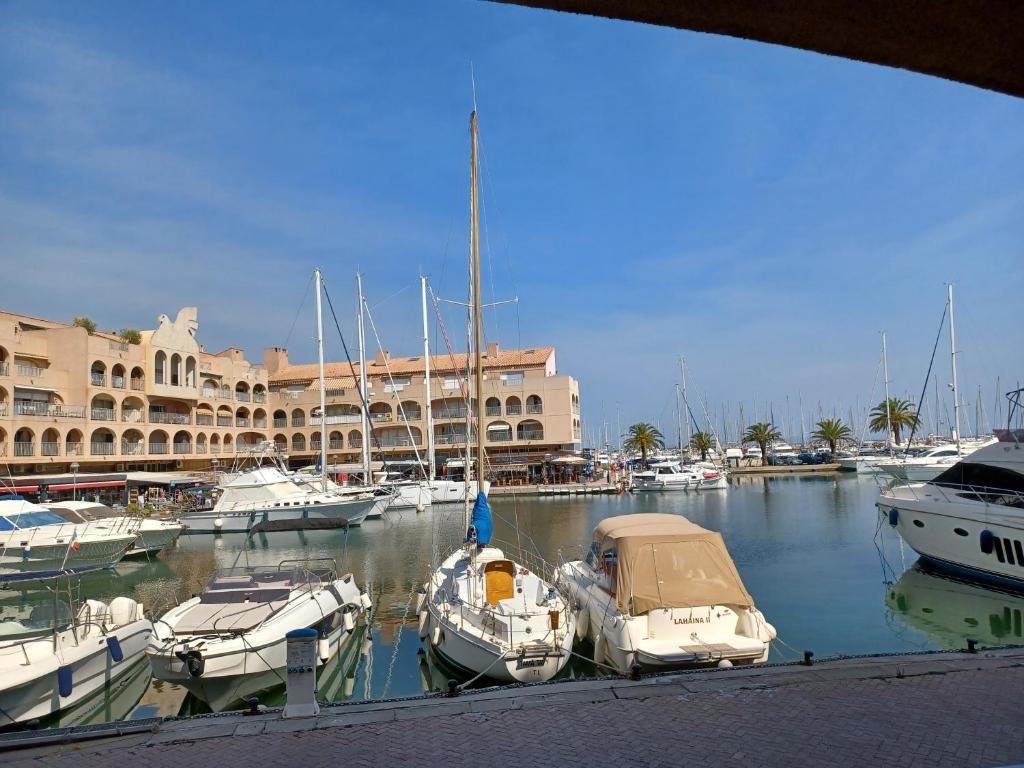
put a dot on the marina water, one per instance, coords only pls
(809, 548)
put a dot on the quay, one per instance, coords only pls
(785, 470)
(920, 709)
(567, 489)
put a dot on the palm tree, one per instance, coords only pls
(643, 437)
(703, 442)
(832, 431)
(762, 434)
(900, 414)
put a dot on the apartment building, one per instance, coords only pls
(71, 401)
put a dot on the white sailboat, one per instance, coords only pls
(482, 612)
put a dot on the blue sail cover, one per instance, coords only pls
(482, 519)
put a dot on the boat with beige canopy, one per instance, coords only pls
(658, 591)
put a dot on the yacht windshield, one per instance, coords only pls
(30, 520)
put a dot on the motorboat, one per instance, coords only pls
(56, 659)
(228, 642)
(659, 592)
(37, 543)
(930, 462)
(753, 452)
(267, 496)
(445, 491)
(672, 476)
(969, 518)
(154, 534)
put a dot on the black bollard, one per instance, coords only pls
(254, 705)
(453, 687)
(972, 645)
(634, 672)
(808, 656)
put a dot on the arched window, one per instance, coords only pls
(175, 373)
(355, 439)
(190, 371)
(298, 418)
(493, 406)
(298, 442)
(499, 432)
(117, 377)
(534, 404)
(133, 443)
(513, 406)
(336, 441)
(98, 374)
(280, 418)
(530, 429)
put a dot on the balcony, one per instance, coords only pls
(223, 421)
(495, 436)
(259, 423)
(132, 415)
(315, 445)
(214, 449)
(335, 445)
(32, 408)
(410, 416)
(225, 393)
(133, 449)
(159, 449)
(241, 422)
(138, 384)
(534, 408)
(24, 449)
(259, 397)
(101, 414)
(164, 417)
(3, 409)
(200, 448)
(101, 449)
(447, 439)
(493, 410)
(5, 369)
(355, 442)
(398, 441)
(242, 397)
(98, 379)
(451, 413)
(204, 419)
(117, 346)
(338, 418)
(49, 449)
(182, 448)
(380, 417)
(117, 382)
(74, 449)
(531, 434)
(30, 370)
(513, 410)
(299, 422)
(280, 422)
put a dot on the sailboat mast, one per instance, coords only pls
(686, 405)
(426, 382)
(478, 330)
(365, 399)
(323, 391)
(679, 426)
(888, 404)
(952, 356)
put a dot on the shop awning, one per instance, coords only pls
(86, 484)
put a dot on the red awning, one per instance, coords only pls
(19, 489)
(98, 484)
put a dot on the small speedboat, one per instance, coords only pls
(671, 476)
(52, 659)
(154, 533)
(228, 643)
(659, 592)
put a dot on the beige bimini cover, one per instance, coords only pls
(665, 561)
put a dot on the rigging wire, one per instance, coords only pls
(924, 389)
(302, 304)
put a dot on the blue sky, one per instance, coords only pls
(647, 192)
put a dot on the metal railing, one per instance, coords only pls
(137, 384)
(181, 448)
(102, 449)
(204, 419)
(98, 379)
(242, 397)
(214, 449)
(49, 449)
(225, 393)
(31, 408)
(530, 434)
(200, 448)
(259, 397)
(164, 417)
(335, 445)
(132, 415)
(513, 410)
(3, 449)
(5, 369)
(31, 371)
(3, 409)
(401, 441)
(223, 421)
(493, 410)
(241, 421)
(24, 449)
(355, 442)
(74, 449)
(450, 413)
(447, 439)
(117, 382)
(410, 416)
(158, 449)
(299, 446)
(535, 408)
(336, 418)
(957, 493)
(99, 413)
(280, 422)
(133, 449)
(496, 436)
(259, 423)
(380, 417)
(299, 422)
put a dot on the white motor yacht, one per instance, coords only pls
(154, 534)
(53, 660)
(268, 497)
(37, 543)
(229, 642)
(671, 476)
(930, 462)
(660, 592)
(970, 517)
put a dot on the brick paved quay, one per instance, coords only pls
(948, 709)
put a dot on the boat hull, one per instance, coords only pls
(297, 517)
(44, 558)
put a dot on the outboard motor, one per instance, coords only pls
(194, 662)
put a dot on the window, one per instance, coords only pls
(512, 378)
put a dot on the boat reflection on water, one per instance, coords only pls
(335, 681)
(951, 609)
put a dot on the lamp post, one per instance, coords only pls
(74, 486)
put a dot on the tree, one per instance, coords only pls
(85, 322)
(643, 438)
(762, 434)
(901, 414)
(703, 442)
(832, 431)
(130, 336)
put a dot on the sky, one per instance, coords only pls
(647, 193)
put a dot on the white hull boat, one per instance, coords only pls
(929, 464)
(153, 534)
(670, 476)
(451, 491)
(230, 641)
(658, 592)
(51, 671)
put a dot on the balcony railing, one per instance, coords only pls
(298, 422)
(5, 369)
(336, 418)
(117, 382)
(335, 445)
(398, 441)
(31, 408)
(102, 449)
(214, 449)
(530, 434)
(447, 439)
(24, 449)
(200, 448)
(223, 421)
(450, 413)
(493, 410)
(494, 436)
(101, 414)
(158, 449)
(132, 415)
(314, 445)
(163, 417)
(138, 384)
(30, 370)
(49, 449)
(3, 409)
(181, 448)
(380, 417)
(98, 379)
(259, 397)
(241, 422)
(409, 416)
(3, 449)
(117, 346)
(204, 419)
(355, 442)
(225, 393)
(513, 410)
(259, 423)
(298, 446)
(133, 449)
(242, 397)
(535, 408)
(74, 449)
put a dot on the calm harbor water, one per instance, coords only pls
(810, 551)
